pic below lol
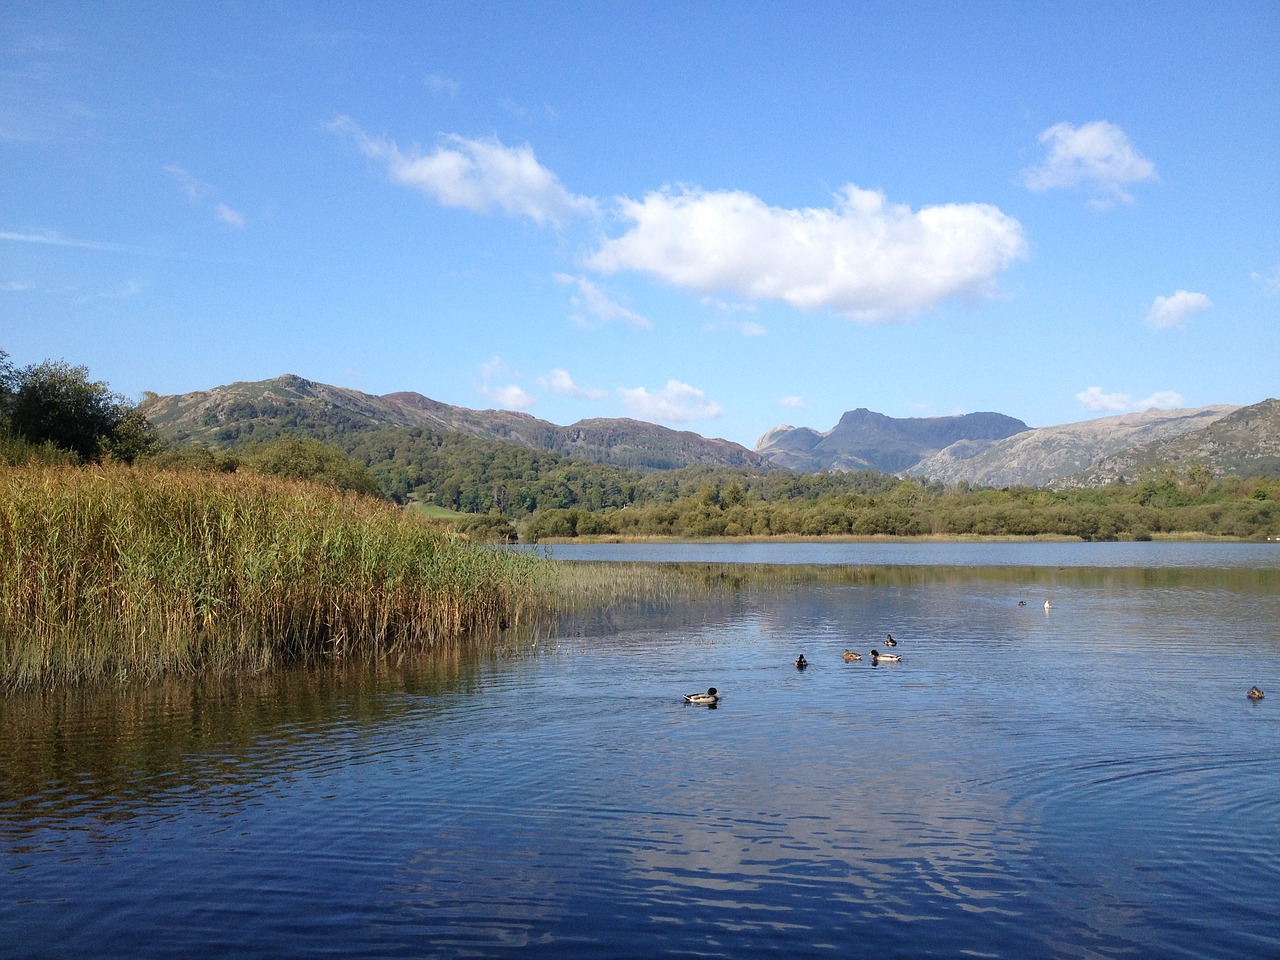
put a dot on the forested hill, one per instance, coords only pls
(230, 416)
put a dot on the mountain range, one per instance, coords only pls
(231, 415)
(983, 449)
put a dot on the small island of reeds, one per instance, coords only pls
(110, 572)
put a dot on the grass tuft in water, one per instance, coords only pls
(111, 572)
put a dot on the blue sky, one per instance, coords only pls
(716, 216)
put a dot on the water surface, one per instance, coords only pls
(1087, 781)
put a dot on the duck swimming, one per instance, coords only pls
(801, 662)
(1255, 694)
(877, 656)
(850, 656)
(710, 697)
(1048, 606)
(890, 641)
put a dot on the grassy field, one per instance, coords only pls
(111, 572)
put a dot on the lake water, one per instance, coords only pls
(1084, 781)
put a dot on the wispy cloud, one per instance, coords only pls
(1270, 282)
(228, 216)
(1173, 311)
(53, 239)
(203, 194)
(675, 403)
(442, 85)
(478, 175)
(792, 401)
(560, 383)
(594, 308)
(1096, 155)
(745, 328)
(126, 291)
(863, 257)
(1095, 399)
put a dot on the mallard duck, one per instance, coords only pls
(877, 656)
(850, 656)
(1255, 694)
(711, 696)
(801, 662)
(890, 641)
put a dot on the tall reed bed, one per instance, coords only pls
(112, 571)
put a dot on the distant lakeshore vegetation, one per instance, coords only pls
(122, 556)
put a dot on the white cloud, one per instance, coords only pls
(478, 175)
(494, 368)
(508, 397)
(863, 257)
(1094, 399)
(1173, 311)
(1161, 400)
(233, 217)
(1097, 154)
(675, 403)
(596, 308)
(560, 383)
(792, 401)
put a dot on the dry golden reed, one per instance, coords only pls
(112, 572)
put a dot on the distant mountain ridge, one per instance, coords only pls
(1052, 456)
(864, 440)
(231, 415)
(1245, 442)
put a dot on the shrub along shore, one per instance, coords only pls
(111, 572)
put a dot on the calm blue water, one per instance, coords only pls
(1088, 781)
(1037, 553)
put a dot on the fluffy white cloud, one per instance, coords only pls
(1094, 399)
(595, 308)
(1173, 311)
(1096, 154)
(675, 403)
(560, 383)
(508, 397)
(863, 257)
(479, 175)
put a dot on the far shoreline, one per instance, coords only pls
(609, 538)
